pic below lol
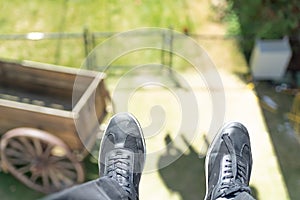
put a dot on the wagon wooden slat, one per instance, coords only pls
(60, 125)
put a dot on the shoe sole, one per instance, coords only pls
(218, 136)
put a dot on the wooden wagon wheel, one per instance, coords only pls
(40, 160)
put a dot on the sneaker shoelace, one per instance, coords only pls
(234, 174)
(118, 168)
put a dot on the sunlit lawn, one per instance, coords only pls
(20, 17)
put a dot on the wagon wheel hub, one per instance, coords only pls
(38, 165)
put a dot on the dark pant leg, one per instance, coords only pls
(244, 196)
(100, 189)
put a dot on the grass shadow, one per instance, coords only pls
(254, 192)
(286, 146)
(186, 175)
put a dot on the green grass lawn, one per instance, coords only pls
(19, 17)
(12, 189)
(99, 15)
(22, 17)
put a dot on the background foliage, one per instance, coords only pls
(265, 19)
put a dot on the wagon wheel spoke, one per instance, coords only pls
(68, 173)
(17, 145)
(17, 155)
(24, 169)
(14, 153)
(64, 165)
(55, 159)
(34, 176)
(63, 178)
(37, 146)
(67, 181)
(61, 175)
(17, 161)
(27, 145)
(47, 151)
(45, 179)
(40, 160)
(54, 179)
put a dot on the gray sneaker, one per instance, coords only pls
(123, 152)
(228, 163)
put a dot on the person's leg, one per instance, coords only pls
(240, 196)
(121, 161)
(101, 189)
(244, 196)
(228, 164)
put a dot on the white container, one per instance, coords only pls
(270, 59)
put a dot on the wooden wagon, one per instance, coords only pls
(47, 125)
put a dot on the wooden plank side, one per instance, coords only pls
(43, 81)
(61, 127)
(102, 98)
(36, 108)
(89, 100)
(92, 114)
(59, 68)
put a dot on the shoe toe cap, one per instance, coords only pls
(241, 137)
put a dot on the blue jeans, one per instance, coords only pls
(105, 189)
(100, 189)
(244, 196)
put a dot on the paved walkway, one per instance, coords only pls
(242, 104)
(184, 178)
